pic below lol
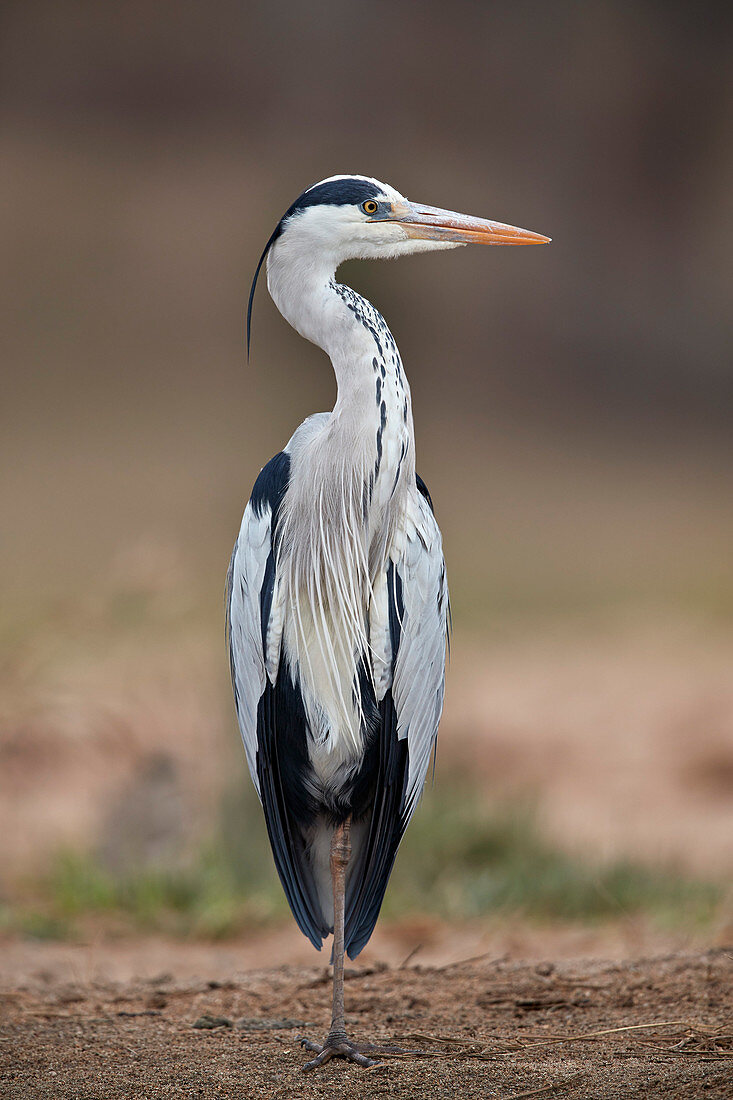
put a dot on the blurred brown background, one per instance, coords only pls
(572, 403)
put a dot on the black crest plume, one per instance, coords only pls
(275, 234)
(339, 192)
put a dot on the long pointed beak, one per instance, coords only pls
(432, 224)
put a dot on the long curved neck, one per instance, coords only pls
(373, 400)
(305, 291)
(350, 474)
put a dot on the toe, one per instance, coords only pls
(360, 1059)
(325, 1055)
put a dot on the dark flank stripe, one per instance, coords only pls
(385, 768)
(282, 765)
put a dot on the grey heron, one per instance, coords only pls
(337, 597)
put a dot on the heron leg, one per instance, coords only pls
(337, 1044)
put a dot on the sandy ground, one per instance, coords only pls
(424, 940)
(659, 1027)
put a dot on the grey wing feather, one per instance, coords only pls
(245, 582)
(419, 664)
(254, 622)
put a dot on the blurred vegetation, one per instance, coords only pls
(458, 861)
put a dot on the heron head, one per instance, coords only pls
(357, 217)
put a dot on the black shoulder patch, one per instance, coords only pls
(269, 489)
(422, 488)
(270, 486)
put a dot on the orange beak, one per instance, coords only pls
(432, 224)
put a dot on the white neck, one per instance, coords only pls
(302, 288)
(351, 332)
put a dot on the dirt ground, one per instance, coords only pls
(487, 1027)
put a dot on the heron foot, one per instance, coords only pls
(338, 1046)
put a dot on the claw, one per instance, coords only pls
(334, 1049)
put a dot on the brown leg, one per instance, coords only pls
(337, 1045)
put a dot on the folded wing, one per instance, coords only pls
(269, 705)
(409, 675)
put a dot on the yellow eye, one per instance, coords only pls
(370, 206)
